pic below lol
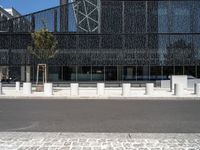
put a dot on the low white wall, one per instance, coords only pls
(178, 79)
(84, 91)
(113, 91)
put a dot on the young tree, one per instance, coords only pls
(43, 48)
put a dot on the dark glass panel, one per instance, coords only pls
(198, 71)
(142, 72)
(155, 73)
(111, 17)
(178, 70)
(129, 73)
(190, 71)
(69, 73)
(167, 72)
(97, 73)
(134, 16)
(54, 73)
(84, 73)
(181, 16)
(111, 73)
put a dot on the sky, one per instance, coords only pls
(29, 6)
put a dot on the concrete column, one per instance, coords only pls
(1, 91)
(28, 73)
(17, 86)
(27, 88)
(178, 90)
(48, 89)
(22, 73)
(100, 89)
(74, 89)
(197, 89)
(126, 89)
(149, 89)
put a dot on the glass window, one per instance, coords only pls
(54, 73)
(69, 73)
(111, 73)
(84, 73)
(190, 71)
(155, 73)
(181, 12)
(134, 16)
(97, 73)
(198, 71)
(142, 72)
(129, 73)
(178, 70)
(167, 72)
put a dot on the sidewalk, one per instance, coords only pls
(91, 93)
(98, 141)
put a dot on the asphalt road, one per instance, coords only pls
(100, 116)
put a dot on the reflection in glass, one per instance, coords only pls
(84, 73)
(129, 73)
(97, 73)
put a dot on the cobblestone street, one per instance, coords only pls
(97, 141)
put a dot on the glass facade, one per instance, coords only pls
(117, 41)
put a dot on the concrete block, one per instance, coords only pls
(100, 89)
(178, 79)
(74, 89)
(178, 90)
(17, 86)
(149, 90)
(27, 88)
(48, 89)
(126, 89)
(197, 89)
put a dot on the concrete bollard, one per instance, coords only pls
(48, 89)
(197, 89)
(74, 89)
(27, 88)
(1, 91)
(100, 89)
(178, 90)
(126, 89)
(17, 86)
(149, 89)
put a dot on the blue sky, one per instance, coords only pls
(29, 6)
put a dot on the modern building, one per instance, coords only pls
(109, 40)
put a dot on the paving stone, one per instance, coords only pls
(92, 143)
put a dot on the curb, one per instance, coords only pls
(98, 98)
